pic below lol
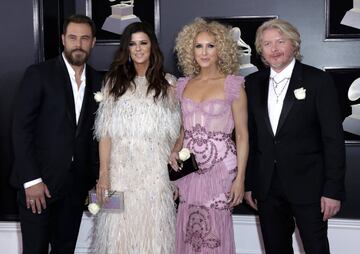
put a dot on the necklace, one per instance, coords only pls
(275, 85)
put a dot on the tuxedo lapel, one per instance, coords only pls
(85, 105)
(264, 87)
(295, 83)
(66, 83)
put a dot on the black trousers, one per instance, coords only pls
(57, 225)
(278, 217)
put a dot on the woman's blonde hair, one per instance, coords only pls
(227, 50)
(285, 28)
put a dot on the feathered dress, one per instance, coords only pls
(142, 134)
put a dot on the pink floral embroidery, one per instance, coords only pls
(205, 145)
(198, 230)
(221, 203)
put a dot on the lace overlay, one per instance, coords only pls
(142, 134)
(205, 145)
(204, 223)
(198, 230)
(220, 202)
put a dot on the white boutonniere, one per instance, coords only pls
(98, 96)
(94, 208)
(300, 93)
(184, 154)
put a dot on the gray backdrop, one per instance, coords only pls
(18, 50)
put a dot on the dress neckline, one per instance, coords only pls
(206, 100)
(140, 77)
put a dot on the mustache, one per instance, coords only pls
(79, 50)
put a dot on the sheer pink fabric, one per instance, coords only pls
(204, 223)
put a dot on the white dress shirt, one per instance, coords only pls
(78, 93)
(278, 86)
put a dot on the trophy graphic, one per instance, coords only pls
(352, 123)
(245, 67)
(352, 16)
(121, 16)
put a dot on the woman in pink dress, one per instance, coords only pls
(213, 103)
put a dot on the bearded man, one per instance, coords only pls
(55, 154)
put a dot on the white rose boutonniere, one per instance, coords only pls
(98, 96)
(94, 208)
(300, 93)
(184, 154)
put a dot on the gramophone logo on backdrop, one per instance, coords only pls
(352, 16)
(246, 67)
(352, 123)
(121, 16)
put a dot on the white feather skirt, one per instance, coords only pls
(142, 133)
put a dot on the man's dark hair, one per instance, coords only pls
(79, 19)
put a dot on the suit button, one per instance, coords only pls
(276, 142)
(275, 161)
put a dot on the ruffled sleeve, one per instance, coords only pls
(172, 98)
(104, 114)
(180, 86)
(171, 79)
(233, 85)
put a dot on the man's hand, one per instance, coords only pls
(35, 197)
(249, 199)
(329, 207)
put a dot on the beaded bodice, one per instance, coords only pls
(208, 125)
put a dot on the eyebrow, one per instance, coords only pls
(144, 40)
(77, 35)
(204, 42)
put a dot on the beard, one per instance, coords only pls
(77, 57)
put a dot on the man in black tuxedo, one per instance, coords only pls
(297, 156)
(55, 154)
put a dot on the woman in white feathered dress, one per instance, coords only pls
(137, 124)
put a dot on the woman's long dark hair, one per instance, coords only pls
(122, 71)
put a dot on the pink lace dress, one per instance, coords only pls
(204, 222)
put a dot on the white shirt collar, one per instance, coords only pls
(78, 91)
(285, 73)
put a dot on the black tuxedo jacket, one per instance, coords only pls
(47, 142)
(307, 149)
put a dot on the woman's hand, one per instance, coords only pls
(103, 186)
(236, 193)
(173, 158)
(175, 190)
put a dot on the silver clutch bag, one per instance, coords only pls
(114, 203)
